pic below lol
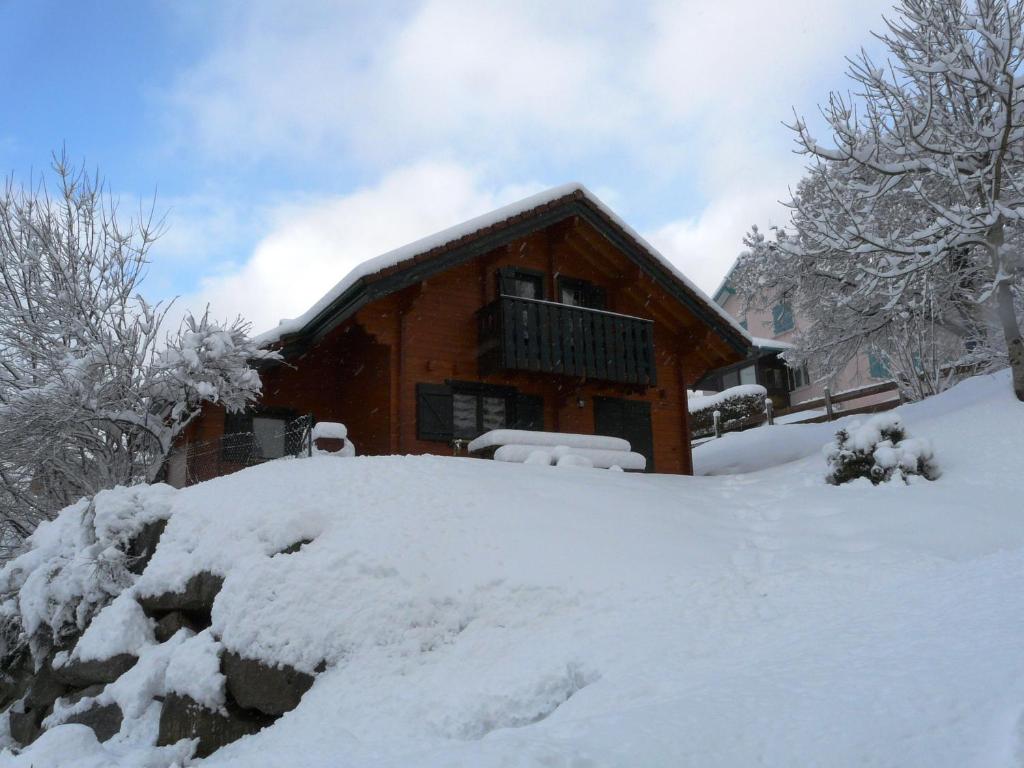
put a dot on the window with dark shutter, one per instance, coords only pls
(434, 412)
(463, 409)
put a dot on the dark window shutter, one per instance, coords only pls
(596, 298)
(529, 413)
(433, 412)
(507, 281)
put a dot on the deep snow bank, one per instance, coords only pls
(475, 613)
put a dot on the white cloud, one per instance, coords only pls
(685, 97)
(310, 246)
(704, 246)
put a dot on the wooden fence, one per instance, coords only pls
(827, 402)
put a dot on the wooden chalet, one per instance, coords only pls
(548, 314)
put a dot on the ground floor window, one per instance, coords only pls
(798, 377)
(465, 410)
(745, 375)
(253, 436)
(775, 378)
(477, 411)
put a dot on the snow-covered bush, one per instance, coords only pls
(73, 566)
(878, 450)
(734, 405)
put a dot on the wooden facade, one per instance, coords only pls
(550, 319)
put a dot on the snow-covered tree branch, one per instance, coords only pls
(916, 211)
(92, 393)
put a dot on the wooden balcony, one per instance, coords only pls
(531, 335)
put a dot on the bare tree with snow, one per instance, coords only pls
(922, 195)
(91, 393)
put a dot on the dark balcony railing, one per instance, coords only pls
(531, 335)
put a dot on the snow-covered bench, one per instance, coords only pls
(558, 448)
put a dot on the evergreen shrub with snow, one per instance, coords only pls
(734, 405)
(878, 450)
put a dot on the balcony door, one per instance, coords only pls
(628, 419)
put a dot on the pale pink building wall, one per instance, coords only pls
(856, 374)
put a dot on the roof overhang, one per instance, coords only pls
(576, 203)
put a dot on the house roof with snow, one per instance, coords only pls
(412, 263)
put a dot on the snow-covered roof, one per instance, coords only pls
(408, 253)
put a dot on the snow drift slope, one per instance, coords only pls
(476, 613)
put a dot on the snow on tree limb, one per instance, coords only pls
(915, 214)
(93, 392)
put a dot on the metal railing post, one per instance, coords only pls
(769, 411)
(717, 419)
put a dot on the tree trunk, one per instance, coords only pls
(1011, 330)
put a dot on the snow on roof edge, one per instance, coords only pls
(763, 343)
(443, 237)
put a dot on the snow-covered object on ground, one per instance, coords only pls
(499, 437)
(76, 564)
(120, 627)
(136, 694)
(878, 450)
(574, 460)
(602, 459)
(330, 430)
(707, 402)
(539, 457)
(614, 619)
(419, 247)
(194, 671)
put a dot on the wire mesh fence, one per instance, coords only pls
(240, 449)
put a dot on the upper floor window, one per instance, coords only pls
(521, 283)
(782, 318)
(877, 368)
(580, 293)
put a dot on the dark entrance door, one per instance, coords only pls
(628, 419)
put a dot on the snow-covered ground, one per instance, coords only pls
(479, 614)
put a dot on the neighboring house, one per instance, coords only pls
(772, 330)
(548, 314)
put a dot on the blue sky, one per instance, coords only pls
(288, 141)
